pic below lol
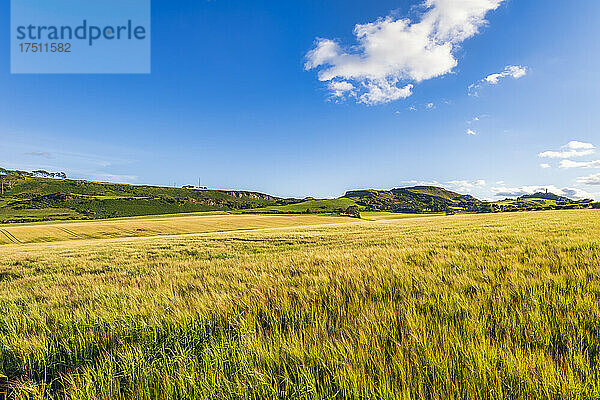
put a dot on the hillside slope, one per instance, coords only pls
(43, 196)
(414, 199)
(28, 198)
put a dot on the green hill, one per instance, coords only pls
(547, 196)
(41, 196)
(421, 199)
(417, 199)
(29, 198)
(539, 201)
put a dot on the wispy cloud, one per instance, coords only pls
(545, 166)
(573, 193)
(471, 132)
(510, 71)
(477, 118)
(464, 186)
(593, 179)
(44, 154)
(115, 178)
(392, 54)
(568, 164)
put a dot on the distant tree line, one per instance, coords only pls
(45, 174)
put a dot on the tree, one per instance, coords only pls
(353, 211)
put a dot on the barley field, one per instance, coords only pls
(156, 226)
(499, 306)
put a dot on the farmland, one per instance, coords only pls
(153, 226)
(465, 306)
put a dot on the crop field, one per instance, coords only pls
(155, 226)
(491, 306)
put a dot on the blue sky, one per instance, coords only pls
(230, 100)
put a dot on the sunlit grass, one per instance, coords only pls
(482, 306)
(154, 226)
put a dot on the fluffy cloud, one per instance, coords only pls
(471, 132)
(590, 180)
(377, 92)
(510, 71)
(340, 88)
(575, 145)
(391, 51)
(545, 166)
(570, 150)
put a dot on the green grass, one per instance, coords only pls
(434, 191)
(309, 206)
(40, 214)
(528, 202)
(498, 306)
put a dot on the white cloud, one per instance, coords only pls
(510, 71)
(377, 92)
(412, 108)
(572, 193)
(430, 106)
(513, 71)
(545, 166)
(471, 132)
(391, 51)
(567, 164)
(589, 180)
(340, 88)
(575, 145)
(464, 186)
(570, 150)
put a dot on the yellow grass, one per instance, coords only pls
(155, 226)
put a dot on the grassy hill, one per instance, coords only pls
(539, 201)
(42, 196)
(422, 199)
(28, 198)
(418, 199)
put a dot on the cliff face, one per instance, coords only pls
(252, 195)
